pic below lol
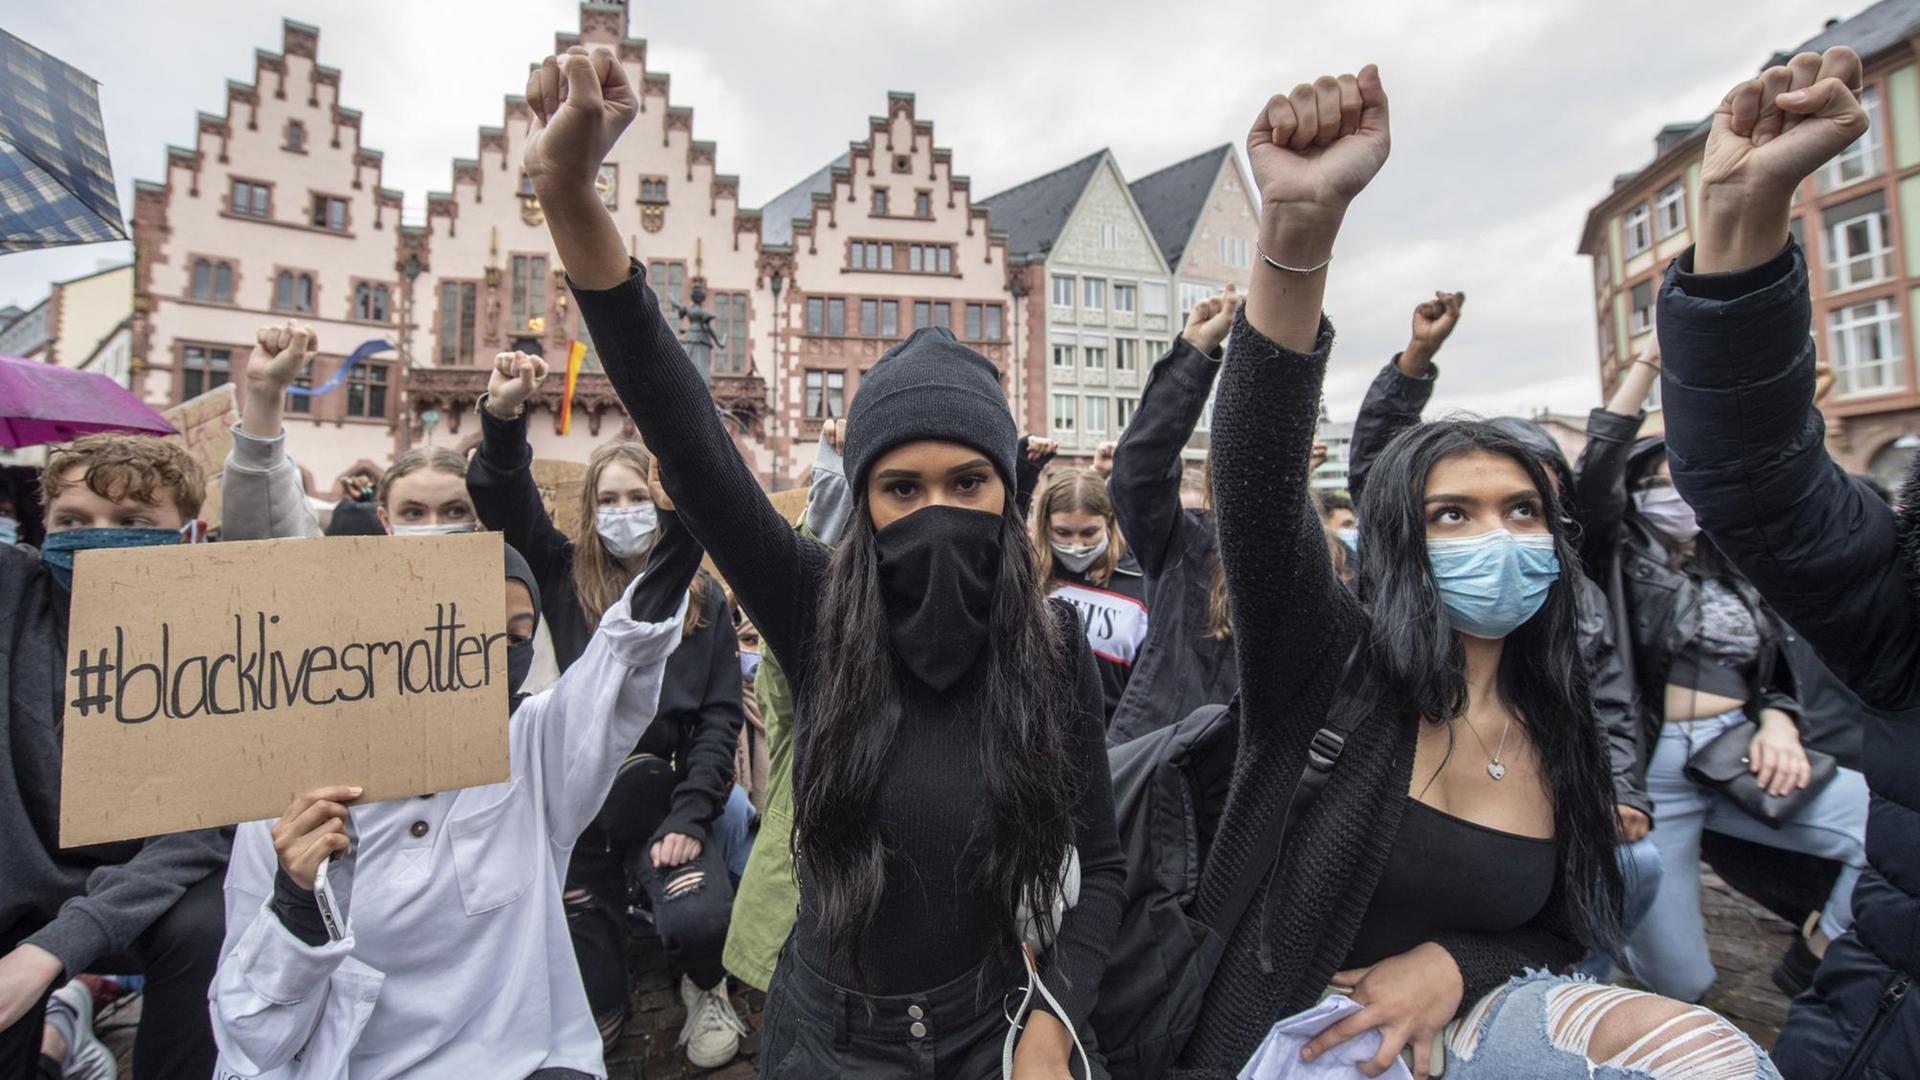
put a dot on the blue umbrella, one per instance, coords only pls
(56, 183)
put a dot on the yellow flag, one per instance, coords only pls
(576, 352)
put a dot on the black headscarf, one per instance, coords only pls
(518, 570)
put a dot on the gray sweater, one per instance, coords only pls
(261, 496)
(86, 902)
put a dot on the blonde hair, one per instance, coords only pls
(598, 579)
(144, 468)
(419, 459)
(1080, 491)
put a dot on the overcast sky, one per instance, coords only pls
(1510, 117)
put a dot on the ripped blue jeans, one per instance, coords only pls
(1549, 1027)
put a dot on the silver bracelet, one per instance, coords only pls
(1277, 265)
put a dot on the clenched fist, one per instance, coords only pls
(583, 102)
(279, 352)
(1769, 134)
(1319, 146)
(515, 377)
(1210, 320)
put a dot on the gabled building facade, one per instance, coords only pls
(490, 281)
(1204, 215)
(883, 240)
(1097, 299)
(1858, 221)
(276, 212)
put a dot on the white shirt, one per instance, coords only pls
(457, 962)
(1116, 624)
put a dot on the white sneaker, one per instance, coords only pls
(87, 1057)
(712, 1032)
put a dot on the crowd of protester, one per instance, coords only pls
(988, 766)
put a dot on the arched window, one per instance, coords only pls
(382, 303)
(303, 292)
(202, 279)
(363, 301)
(283, 291)
(223, 281)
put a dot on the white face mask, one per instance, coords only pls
(1664, 509)
(1077, 557)
(443, 529)
(9, 529)
(627, 531)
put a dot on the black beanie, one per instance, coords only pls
(930, 387)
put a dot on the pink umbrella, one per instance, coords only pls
(43, 403)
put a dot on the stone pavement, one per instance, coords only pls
(1746, 942)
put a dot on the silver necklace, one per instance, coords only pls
(1494, 768)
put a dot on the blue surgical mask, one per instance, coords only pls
(9, 529)
(59, 549)
(1349, 537)
(749, 664)
(1494, 582)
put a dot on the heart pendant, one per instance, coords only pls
(1496, 770)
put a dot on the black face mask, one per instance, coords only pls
(519, 663)
(937, 568)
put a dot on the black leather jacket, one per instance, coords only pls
(1658, 605)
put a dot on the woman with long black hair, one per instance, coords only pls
(1463, 841)
(950, 771)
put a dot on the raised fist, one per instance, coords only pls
(1103, 457)
(583, 103)
(1434, 320)
(1773, 131)
(279, 353)
(514, 379)
(835, 432)
(1320, 146)
(1211, 320)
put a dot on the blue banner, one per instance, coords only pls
(366, 349)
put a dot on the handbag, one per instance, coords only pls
(1722, 764)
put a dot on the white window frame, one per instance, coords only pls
(1094, 356)
(1670, 210)
(1066, 423)
(1637, 226)
(1131, 292)
(1233, 251)
(1109, 236)
(1094, 412)
(1192, 292)
(1093, 294)
(1636, 325)
(1841, 261)
(1067, 349)
(1062, 283)
(1846, 326)
(1123, 412)
(1126, 354)
(1863, 157)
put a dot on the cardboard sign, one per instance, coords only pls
(208, 684)
(790, 503)
(205, 425)
(560, 483)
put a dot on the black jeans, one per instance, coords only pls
(815, 1028)
(177, 954)
(612, 863)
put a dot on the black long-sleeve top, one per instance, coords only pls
(934, 924)
(1181, 665)
(1280, 580)
(700, 713)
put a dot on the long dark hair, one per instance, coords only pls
(1413, 659)
(1022, 705)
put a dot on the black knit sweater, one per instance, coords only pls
(934, 922)
(1295, 625)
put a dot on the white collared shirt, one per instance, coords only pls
(457, 962)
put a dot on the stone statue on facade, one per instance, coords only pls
(701, 337)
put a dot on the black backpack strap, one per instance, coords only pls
(1323, 753)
